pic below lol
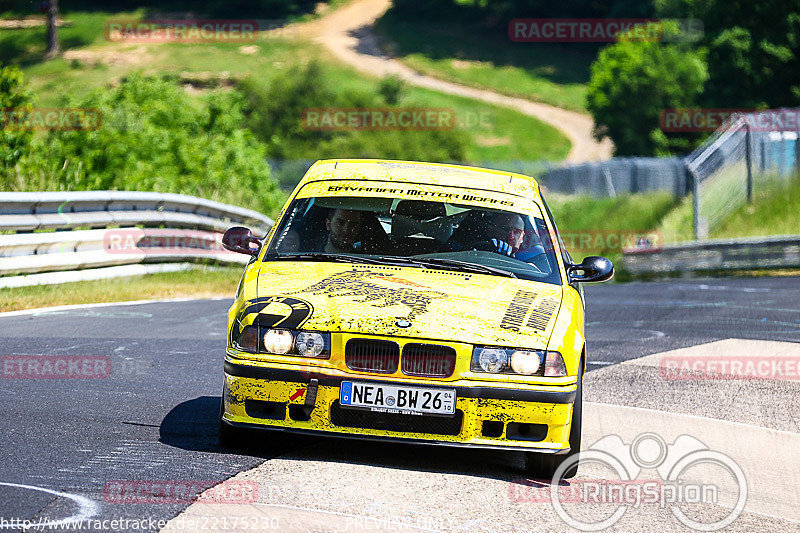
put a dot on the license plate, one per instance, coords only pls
(397, 398)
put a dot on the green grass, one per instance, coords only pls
(602, 226)
(775, 211)
(555, 74)
(633, 211)
(504, 134)
(27, 46)
(198, 283)
(677, 225)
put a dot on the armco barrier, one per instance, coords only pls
(737, 254)
(46, 232)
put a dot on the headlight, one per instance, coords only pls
(492, 360)
(525, 363)
(522, 362)
(309, 344)
(256, 339)
(554, 366)
(278, 341)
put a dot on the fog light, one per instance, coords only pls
(309, 344)
(554, 366)
(492, 360)
(278, 341)
(525, 363)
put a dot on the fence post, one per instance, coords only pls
(695, 202)
(782, 163)
(749, 160)
(609, 182)
(797, 152)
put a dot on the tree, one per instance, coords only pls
(53, 48)
(632, 82)
(753, 50)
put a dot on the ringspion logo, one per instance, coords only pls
(51, 119)
(622, 486)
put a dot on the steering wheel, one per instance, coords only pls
(536, 256)
(494, 245)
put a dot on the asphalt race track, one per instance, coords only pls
(66, 441)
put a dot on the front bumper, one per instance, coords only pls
(301, 400)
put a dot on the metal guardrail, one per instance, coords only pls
(735, 254)
(44, 233)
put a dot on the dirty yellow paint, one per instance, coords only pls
(455, 309)
(556, 416)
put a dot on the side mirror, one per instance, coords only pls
(240, 240)
(593, 268)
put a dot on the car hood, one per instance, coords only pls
(431, 304)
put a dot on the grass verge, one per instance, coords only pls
(773, 212)
(603, 226)
(545, 72)
(196, 283)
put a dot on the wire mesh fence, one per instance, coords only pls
(619, 175)
(741, 159)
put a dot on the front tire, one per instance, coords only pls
(543, 466)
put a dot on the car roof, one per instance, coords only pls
(427, 173)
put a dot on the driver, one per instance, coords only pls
(344, 230)
(506, 232)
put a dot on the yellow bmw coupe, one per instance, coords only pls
(413, 302)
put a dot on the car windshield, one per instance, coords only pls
(420, 233)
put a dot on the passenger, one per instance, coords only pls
(344, 231)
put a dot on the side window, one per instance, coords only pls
(565, 255)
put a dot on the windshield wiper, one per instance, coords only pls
(455, 265)
(396, 260)
(319, 256)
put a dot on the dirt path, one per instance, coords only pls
(346, 33)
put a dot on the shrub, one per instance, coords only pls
(155, 137)
(14, 143)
